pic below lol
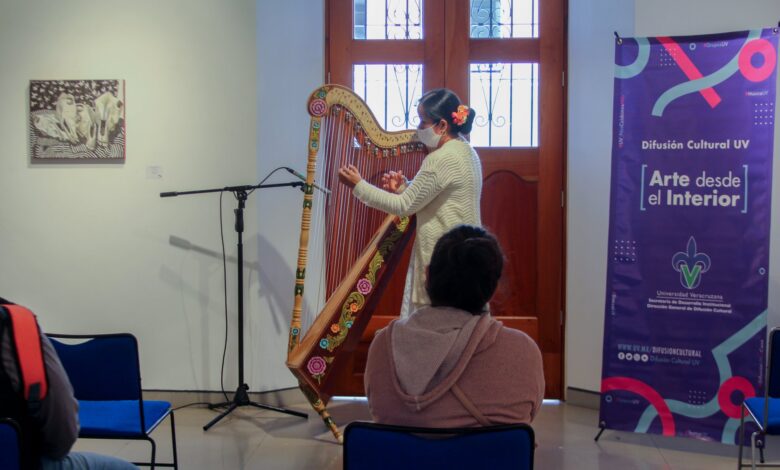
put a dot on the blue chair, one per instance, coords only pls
(381, 446)
(106, 377)
(765, 410)
(10, 445)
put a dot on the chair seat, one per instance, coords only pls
(119, 418)
(756, 407)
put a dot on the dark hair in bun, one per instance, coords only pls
(441, 103)
(465, 268)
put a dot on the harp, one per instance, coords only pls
(348, 252)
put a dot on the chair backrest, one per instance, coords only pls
(101, 367)
(773, 364)
(380, 446)
(10, 445)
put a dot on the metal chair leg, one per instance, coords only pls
(154, 452)
(173, 443)
(741, 434)
(753, 451)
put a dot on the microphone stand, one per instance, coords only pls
(241, 397)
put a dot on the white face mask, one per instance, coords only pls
(428, 137)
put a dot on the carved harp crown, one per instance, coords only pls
(347, 251)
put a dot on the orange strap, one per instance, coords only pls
(27, 338)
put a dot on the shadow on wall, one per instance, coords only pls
(208, 268)
(187, 245)
(276, 284)
(271, 274)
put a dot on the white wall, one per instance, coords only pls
(591, 55)
(591, 23)
(87, 247)
(290, 49)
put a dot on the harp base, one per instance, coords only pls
(241, 398)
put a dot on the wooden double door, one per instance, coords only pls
(449, 44)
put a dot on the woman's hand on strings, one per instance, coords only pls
(393, 180)
(349, 175)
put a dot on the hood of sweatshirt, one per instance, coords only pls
(431, 348)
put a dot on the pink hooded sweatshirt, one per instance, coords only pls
(443, 367)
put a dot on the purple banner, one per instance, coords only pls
(687, 275)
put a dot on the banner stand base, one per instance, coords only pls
(602, 428)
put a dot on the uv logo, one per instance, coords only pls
(691, 265)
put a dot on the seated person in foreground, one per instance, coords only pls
(50, 426)
(451, 364)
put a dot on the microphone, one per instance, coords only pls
(303, 178)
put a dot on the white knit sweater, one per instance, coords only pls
(444, 193)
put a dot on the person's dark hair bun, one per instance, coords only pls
(465, 128)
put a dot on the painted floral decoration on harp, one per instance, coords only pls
(316, 366)
(364, 286)
(459, 117)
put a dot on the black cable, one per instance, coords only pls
(224, 288)
(266, 178)
(191, 404)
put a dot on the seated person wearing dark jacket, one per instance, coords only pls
(451, 364)
(49, 427)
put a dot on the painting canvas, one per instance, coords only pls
(77, 120)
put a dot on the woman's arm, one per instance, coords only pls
(427, 184)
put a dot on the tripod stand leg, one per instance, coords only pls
(319, 407)
(602, 428)
(241, 398)
(221, 415)
(263, 406)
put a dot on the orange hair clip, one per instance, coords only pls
(459, 117)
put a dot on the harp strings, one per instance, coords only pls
(341, 225)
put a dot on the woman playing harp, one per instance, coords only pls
(444, 193)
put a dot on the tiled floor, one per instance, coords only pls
(257, 439)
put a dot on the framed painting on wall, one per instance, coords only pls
(77, 120)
